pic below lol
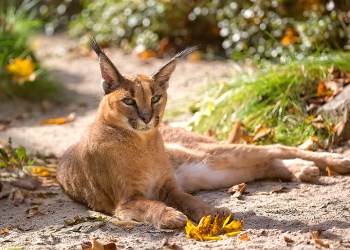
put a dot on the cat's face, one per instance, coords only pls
(137, 104)
(134, 103)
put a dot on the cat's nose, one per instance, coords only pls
(146, 117)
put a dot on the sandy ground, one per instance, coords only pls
(276, 215)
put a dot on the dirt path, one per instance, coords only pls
(276, 215)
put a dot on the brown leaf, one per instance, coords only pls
(323, 243)
(5, 230)
(34, 211)
(237, 190)
(99, 245)
(236, 133)
(288, 240)
(315, 235)
(59, 120)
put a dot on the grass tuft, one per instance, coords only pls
(273, 96)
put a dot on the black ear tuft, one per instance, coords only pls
(111, 78)
(186, 52)
(163, 74)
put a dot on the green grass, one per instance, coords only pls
(274, 96)
(16, 26)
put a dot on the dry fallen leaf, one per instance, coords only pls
(323, 243)
(315, 235)
(329, 172)
(34, 211)
(244, 237)
(211, 230)
(60, 120)
(236, 133)
(4, 231)
(288, 240)
(338, 129)
(309, 143)
(99, 245)
(261, 131)
(42, 171)
(237, 190)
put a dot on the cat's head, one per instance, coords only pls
(137, 102)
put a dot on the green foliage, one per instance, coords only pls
(283, 29)
(274, 96)
(145, 22)
(16, 25)
(11, 157)
(259, 28)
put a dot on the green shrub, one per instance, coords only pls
(259, 28)
(20, 72)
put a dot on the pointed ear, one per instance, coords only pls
(162, 75)
(111, 78)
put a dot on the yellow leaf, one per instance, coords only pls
(41, 171)
(329, 172)
(244, 237)
(59, 120)
(21, 69)
(211, 230)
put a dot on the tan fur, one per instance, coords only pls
(121, 166)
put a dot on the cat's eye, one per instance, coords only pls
(155, 98)
(129, 101)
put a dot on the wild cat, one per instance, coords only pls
(128, 165)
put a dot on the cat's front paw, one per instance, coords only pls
(200, 212)
(171, 218)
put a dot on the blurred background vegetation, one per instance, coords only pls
(275, 34)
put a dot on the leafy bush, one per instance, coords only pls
(274, 97)
(11, 157)
(259, 28)
(20, 73)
